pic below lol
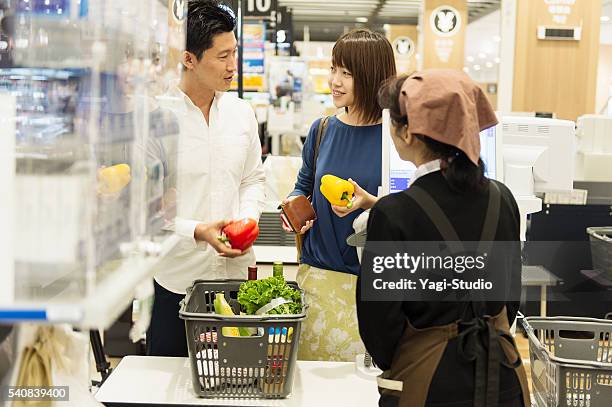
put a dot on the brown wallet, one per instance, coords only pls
(298, 211)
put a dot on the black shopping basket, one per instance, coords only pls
(227, 365)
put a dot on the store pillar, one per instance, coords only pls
(404, 39)
(556, 57)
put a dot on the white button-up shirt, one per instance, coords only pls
(219, 176)
(424, 169)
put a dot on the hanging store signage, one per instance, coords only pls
(445, 21)
(179, 10)
(560, 9)
(259, 8)
(404, 46)
(283, 26)
(444, 24)
(284, 19)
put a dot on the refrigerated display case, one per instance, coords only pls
(92, 173)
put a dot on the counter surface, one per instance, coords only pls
(144, 380)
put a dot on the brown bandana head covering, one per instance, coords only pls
(447, 106)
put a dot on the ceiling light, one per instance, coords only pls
(476, 67)
(497, 38)
(497, 60)
(466, 69)
(489, 64)
(361, 19)
(482, 55)
(470, 58)
(605, 19)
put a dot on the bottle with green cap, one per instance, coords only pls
(277, 269)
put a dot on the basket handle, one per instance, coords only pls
(563, 334)
(596, 235)
(526, 326)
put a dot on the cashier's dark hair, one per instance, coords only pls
(205, 20)
(368, 56)
(460, 172)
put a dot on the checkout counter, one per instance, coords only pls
(166, 381)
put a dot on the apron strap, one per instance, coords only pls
(449, 234)
(487, 236)
(443, 224)
(437, 217)
(489, 229)
(479, 341)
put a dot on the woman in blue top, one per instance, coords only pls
(350, 149)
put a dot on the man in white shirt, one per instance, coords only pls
(219, 171)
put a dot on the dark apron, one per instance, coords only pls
(485, 340)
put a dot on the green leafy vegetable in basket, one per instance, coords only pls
(254, 294)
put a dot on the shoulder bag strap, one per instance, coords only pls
(320, 134)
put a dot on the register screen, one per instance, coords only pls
(487, 151)
(400, 172)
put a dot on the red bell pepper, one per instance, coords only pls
(241, 233)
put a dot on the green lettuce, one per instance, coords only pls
(254, 294)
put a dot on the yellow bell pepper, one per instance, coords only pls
(337, 191)
(111, 180)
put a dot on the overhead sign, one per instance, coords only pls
(445, 21)
(404, 46)
(444, 34)
(284, 19)
(179, 10)
(259, 8)
(560, 10)
(283, 26)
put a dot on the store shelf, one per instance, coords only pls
(100, 308)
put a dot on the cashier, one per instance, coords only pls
(459, 353)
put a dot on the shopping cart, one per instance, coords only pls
(225, 364)
(571, 361)
(601, 249)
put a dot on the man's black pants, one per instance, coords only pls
(166, 334)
